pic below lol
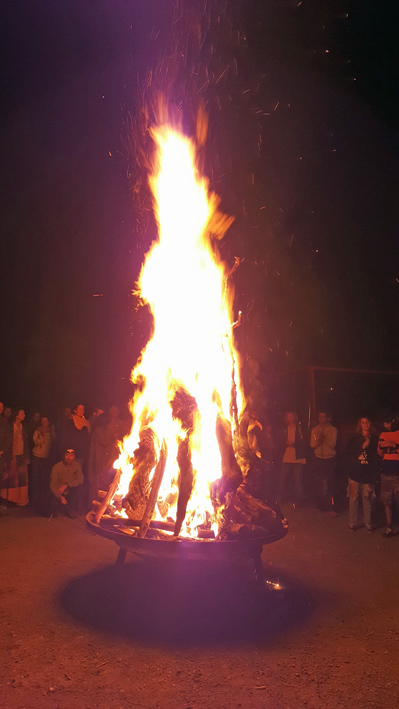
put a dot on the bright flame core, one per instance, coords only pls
(192, 348)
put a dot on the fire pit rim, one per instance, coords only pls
(136, 544)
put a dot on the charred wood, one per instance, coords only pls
(155, 485)
(186, 479)
(184, 408)
(231, 471)
(242, 509)
(257, 480)
(144, 460)
(111, 492)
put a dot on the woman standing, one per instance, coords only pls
(78, 435)
(16, 483)
(362, 460)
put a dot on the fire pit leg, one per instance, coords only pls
(259, 570)
(121, 556)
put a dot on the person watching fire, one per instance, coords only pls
(66, 485)
(388, 450)
(323, 440)
(291, 456)
(361, 462)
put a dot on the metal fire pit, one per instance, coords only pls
(202, 550)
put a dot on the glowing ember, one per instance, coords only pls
(187, 374)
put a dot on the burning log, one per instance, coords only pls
(186, 479)
(244, 513)
(156, 483)
(257, 482)
(184, 408)
(107, 500)
(144, 460)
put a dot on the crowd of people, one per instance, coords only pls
(59, 466)
(368, 462)
(62, 466)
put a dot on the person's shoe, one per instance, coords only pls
(352, 528)
(370, 528)
(388, 533)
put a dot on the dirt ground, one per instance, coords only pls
(79, 632)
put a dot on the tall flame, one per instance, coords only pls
(192, 348)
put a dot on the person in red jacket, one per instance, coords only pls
(388, 449)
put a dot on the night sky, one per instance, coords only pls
(315, 201)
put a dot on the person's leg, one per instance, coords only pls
(323, 482)
(389, 514)
(329, 483)
(353, 494)
(284, 475)
(368, 496)
(54, 505)
(387, 492)
(318, 482)
(74, 499)
(298, 469)
(34, 475)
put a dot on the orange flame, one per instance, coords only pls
(185, 285)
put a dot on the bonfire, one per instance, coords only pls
(184, 470)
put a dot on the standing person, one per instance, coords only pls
(389, 423)
(388, 449)
(292, 456)
(77, 437)
(361, 459)
(7, 413)
(43, 438)
(5, 441)
(16, 488)
(323, 440)
(61, 430)
(31, 427)
(95, 418)
(5, 430)
(66, 483)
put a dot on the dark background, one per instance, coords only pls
(314, 199)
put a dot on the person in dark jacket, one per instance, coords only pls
(362, 464)
(292, 455)
(14, 487)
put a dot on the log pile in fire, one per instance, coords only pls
(240, 513)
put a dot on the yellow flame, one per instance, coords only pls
(184, 284)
